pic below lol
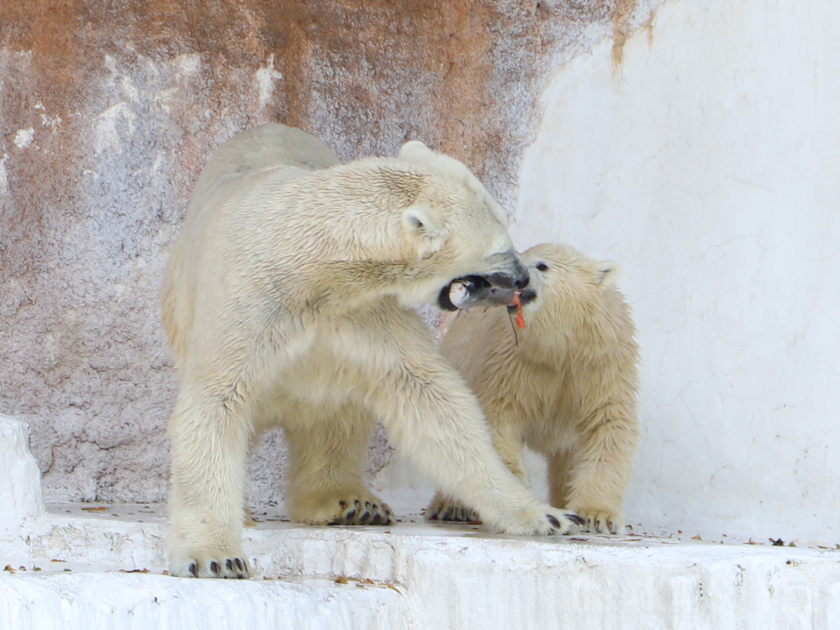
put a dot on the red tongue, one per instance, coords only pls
(520, 318)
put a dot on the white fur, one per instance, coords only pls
(566, 386)
(285, 304)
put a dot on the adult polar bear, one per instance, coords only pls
(286, 302)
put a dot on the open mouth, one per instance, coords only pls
(526, 296)
(464, 293)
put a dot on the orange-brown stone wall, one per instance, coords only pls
(108, 111)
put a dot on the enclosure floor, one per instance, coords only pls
(104, 566)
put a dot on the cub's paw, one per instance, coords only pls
(210, 565)
(547, 522)
(602, 521)
(446, 509)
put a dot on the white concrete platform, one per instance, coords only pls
(98, 567)
(67, 601)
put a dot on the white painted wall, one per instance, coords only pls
(708, 164)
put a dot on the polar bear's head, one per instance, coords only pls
(458, 233)
(566, 287)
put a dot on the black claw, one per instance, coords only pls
(239, 564)
(214, 567)
(229, 564)
(335, 522)
(193, 569)
(553, 520)
(447, 514)
(377, 519)
(365, 518)
(350, 516)
(577, 520)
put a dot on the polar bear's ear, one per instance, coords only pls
(425, 230)
(416, 151)
(607, 273)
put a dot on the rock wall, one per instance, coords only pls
(710, 172)
(107, 114)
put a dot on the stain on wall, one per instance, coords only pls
(108, 111)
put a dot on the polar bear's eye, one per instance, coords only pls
(542, 267)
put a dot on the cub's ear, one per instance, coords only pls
(607, 273)
(425, 230)
(416, 151)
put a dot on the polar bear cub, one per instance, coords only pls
(566, 386)
(287, 303)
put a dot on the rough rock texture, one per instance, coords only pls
(107, 114)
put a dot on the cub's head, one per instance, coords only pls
(457, 235)
(566, 287)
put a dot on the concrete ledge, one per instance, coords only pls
(419, 575)
(149, 602)
(103, 567)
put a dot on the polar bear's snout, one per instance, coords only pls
(513, 275)
(497, 287)
(507, 281)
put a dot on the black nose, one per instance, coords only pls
(516, 278)
(521, 274)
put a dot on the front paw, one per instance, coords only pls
(548, 521)
(207, 564)
(444, 508)
(600, 521)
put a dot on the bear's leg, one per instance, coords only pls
(507, 440)
(559, 467)
(601, 467)
(327, 456)
(209, 453)
(433, 417)
(438, 423)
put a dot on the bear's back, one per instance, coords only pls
(270, 146)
